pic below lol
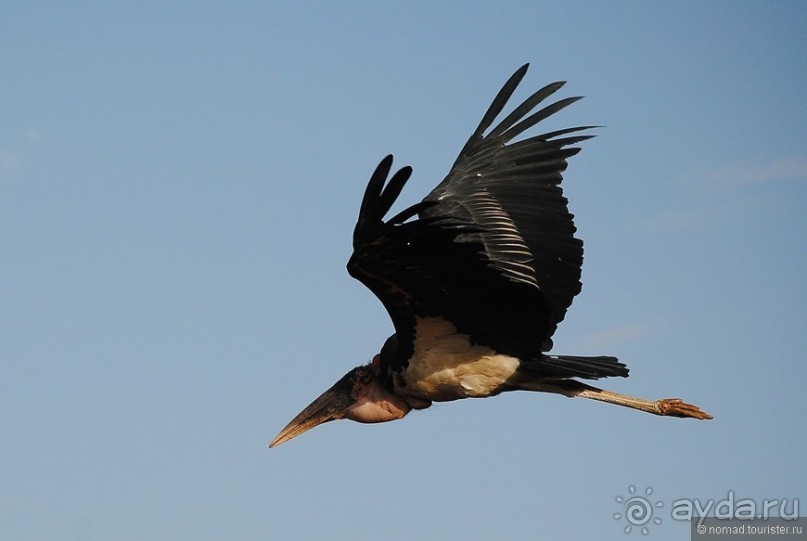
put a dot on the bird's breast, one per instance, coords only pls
(447, 365)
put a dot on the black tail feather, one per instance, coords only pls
(574, 366)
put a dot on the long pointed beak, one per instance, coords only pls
(330, 405)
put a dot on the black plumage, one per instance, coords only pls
(492, 248)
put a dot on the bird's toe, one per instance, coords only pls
(676, 407)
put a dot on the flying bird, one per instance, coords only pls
(476, 278)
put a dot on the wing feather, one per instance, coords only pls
(492, 247)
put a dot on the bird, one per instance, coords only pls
(475, 277)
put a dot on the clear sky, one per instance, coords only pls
(178, 187)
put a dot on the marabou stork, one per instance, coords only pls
(476, 278)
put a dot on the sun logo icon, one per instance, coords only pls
(637, 510)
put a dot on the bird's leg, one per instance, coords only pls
(674, 407)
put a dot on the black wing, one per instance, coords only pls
(492, 248)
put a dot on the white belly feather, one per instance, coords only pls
(446, 366)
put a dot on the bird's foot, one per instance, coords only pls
(676, 407)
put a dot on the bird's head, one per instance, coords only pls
(359, 396)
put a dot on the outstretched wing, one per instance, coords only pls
(492, 248)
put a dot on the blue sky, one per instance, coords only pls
(178, 187)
